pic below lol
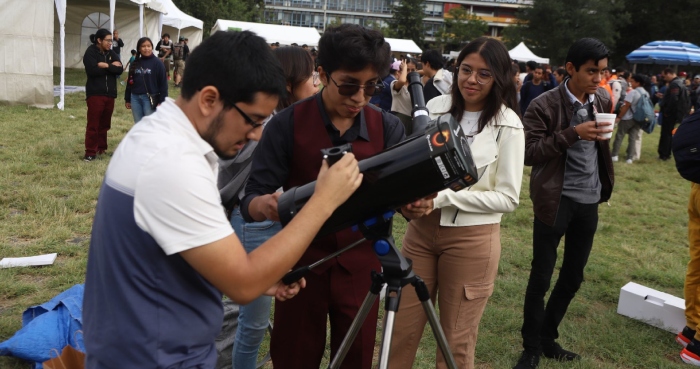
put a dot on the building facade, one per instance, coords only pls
(375, 13)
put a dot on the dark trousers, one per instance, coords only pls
(578, 222)
(667, 127)
(299, 335)
(99, 121)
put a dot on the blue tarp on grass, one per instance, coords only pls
(52, 325)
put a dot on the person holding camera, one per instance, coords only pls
(352, 61)
(400, 97)
(162, 251)
(147, 86)
(455, 245)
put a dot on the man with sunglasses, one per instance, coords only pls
(351, 62)
(162, 250)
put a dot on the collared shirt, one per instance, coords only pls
(272, 159)
(573, 99)
(159, 198)
(581, 180)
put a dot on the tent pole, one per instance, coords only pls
(634, 68)
(61, 10)
(140, 20)
(112, 5)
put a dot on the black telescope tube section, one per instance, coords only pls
(413, 169)
(419, 112)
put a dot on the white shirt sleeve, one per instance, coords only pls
(177, 202)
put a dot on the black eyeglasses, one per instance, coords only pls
(247, 119)
(349, 89)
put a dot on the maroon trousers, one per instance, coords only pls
(99, 121)
(299, 337)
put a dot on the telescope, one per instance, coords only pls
(419, 112)
(436, 158)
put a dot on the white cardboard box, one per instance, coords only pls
(656, 308)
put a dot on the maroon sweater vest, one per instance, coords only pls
(310, 136)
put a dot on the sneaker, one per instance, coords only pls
(685, 336)
(527, 361)
(629, 161)
(691, 353)
(554, 351)
(615, 158)
(89, 157)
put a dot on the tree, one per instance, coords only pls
(210, 10)
(549, 27)
(407, 20)
(461, 27)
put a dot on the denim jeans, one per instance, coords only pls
(253, 318)
(579, 223)
(140, 106)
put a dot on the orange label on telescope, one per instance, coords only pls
(440, 138)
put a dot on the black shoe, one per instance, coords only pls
(528, 361)
(89, 157)
(685, 336)
(554, 351)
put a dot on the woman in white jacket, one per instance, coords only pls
(455, 247)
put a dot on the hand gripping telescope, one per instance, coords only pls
(420, 166)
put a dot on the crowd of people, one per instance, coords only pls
(146, 81)
(189, 206)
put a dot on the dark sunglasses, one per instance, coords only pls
(247, 118)
(349, 89)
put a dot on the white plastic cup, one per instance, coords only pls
(606, 120)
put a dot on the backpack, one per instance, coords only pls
(686, 148)
(643, 112)
(178, 51)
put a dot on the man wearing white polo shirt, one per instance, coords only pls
(162, 250)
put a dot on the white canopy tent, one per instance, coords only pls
(522, 53)
(57, 33)
(403, 46)
(177, 23)
(26, 73)
(285, 35)
(77, 19)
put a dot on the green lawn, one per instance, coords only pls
(48, 195)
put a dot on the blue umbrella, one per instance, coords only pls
(666, 52)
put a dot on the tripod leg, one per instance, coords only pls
(424, 297)
(377, 283)
(393, 297)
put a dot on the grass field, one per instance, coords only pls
(48, 195)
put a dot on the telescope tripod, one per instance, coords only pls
(397, 272)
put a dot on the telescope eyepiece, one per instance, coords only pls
(333, 154)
